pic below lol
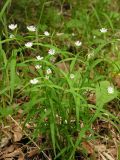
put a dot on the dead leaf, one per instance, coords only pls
(4, 142)
(13, 154)
(112, 151)
(21, 157)
(103, 158)
(100, 148)
(116, 80)
(63, 66)
(9, 149)
(108, 156)
(33, 152)
(17, 134)
(88, 147)
(92, 98)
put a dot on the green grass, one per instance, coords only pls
(58, 106)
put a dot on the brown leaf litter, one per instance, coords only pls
(12, 144)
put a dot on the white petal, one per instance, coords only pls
(12, 36)
(48, 71)
(31, 28)
(72, 76)
(38, 66)
(103, 30)
(110, 90)
(39, 58)
(46, 33)
(78, 43)
(51, 51)
(12, 26)
(34, 81)
(28, 44)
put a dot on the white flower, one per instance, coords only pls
(34, 81)
(51, 51)
(46, 33)
(103, 30)
(39, 58)
(31, 28)
(94, 37)
(38, 66)
(12, 26)
(12, 36)
(48, 71)
(72, 76)
(110, 90)
(78, 43)
(28, 44)
(73, 34)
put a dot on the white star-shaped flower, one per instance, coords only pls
(12, 36)
(46, 33)
(34, 81)
(12, 26)
(38, 66)
(51, 52)
(110, 90)
(28, 44)
(103, 30)
(78, 43)
(73, 34)
(72, 76)
(48, 71)
(31, 28)
(39, 58)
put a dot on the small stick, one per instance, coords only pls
(29, 137)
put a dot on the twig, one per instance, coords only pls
(29, 137)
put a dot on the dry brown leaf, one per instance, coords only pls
(4, 142)
(108, 156)
(112, 151)
(103, 158)
(21, 156)
(12, 154)
(63, 66)
(116, 80)
(33, 152)
(88, 147)
(92, 98)
(9, 149)
(17, 134)
(100, 148)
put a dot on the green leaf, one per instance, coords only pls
(4, 8)
(102, 95)
(52, 128)
(4, 112)
(12, 76)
